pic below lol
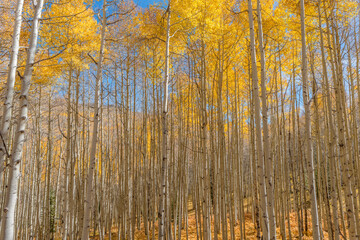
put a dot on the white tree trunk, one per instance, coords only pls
(267, 155)
(89, 188)
(7, 108)
(308, 141)
(8, 219)
(163, 194)
(259, 146)
(331, 141)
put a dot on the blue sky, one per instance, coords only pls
(141, 3)
(144, 3)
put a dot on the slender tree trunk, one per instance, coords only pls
(88, 200)
(8, 103)
(267, 155)
(308, 140)
(259, 147)
(163, 194)
(8, 218)
(331, 142)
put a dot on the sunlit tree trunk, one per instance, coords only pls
(163, 178)
(267, 155)
(8, 103)
(308, 140)
(8, 218)
(88, 200)
(345, 164)
(259, 146)
(332, 136)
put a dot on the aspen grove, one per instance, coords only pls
(180, 119)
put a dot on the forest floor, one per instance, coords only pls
(250, 231)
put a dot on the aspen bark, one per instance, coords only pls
(308, 139)
(88, 199)
(259, 147)
(8, 103)
(8, 218)
(267, 156)
(163, 193)
(332, 132)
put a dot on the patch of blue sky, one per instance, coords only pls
(140, 3)
(145, 3)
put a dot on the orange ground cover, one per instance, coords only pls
(249, 229)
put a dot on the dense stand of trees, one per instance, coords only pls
(190, 119)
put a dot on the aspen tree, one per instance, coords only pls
(47, 215)
(332, 132)
(163, 219)
(8, 103)
(259, 147)
(293, 153)
(88, 199)
(308, 139)
(8, 217)
(354, 137)
(67, 181)
(267, 156)
(344, 160)
(320, 160)
(224, 146)
(253, 169)
(203, 124)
